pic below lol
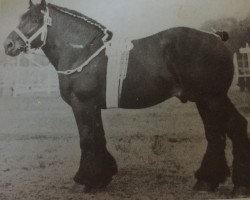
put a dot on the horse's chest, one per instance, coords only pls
(81, 86)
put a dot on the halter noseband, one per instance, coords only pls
(43, 31)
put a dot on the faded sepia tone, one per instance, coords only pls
(157, 149)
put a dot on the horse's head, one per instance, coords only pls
(31, 31)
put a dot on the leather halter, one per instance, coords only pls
(43, 31)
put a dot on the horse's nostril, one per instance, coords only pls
(10, 45)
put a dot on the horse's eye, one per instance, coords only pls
(35, 21)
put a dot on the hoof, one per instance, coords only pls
(90, 184)
(241, 192)
(202, 186)
(96, 171)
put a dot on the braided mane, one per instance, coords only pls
(79, 15)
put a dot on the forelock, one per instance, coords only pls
(35, 10)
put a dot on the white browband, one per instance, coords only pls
(43, 31)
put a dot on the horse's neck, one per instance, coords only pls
(65, 32)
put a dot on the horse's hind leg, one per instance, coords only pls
(237, 132)
(213, 169)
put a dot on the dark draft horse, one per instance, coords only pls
(182, 62)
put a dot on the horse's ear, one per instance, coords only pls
(43, 4)
(31, 4)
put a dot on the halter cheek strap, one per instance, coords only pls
(43, 31)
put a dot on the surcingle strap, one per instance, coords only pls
(118, 55)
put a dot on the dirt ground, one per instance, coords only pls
(157, 150)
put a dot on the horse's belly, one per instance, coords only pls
(141, 98)
(143, 90)
(148, 80)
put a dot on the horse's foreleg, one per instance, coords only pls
(213, 169)
(97, 166)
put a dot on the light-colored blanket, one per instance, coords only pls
(117, 51)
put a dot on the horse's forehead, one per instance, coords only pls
(36, 11)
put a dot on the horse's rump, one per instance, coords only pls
(181, 60)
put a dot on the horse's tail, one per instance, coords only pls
(110, 35)
(223, 35)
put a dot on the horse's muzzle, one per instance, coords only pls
(9, 46)
(13, 47)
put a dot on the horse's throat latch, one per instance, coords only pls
(47, 19)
